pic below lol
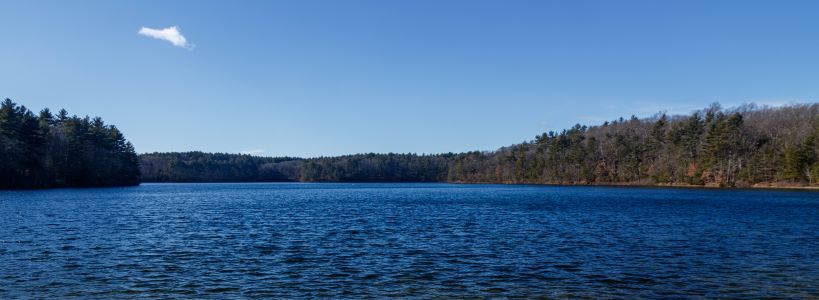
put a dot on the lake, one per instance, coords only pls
(296, 240)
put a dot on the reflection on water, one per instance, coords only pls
(405, 240)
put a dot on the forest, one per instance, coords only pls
(216, 167)
(742, 146)
(46, 150)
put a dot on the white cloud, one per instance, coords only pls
(170, 34)
(253, 152)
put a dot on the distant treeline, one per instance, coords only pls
(217, 167)
(736, 147)
(713, 146)
(222, 167)
(46, 150)
(377, 168)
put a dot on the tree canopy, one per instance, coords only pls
(46, 150)
(217, 167)
(714, 146)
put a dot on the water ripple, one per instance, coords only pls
(198, 241)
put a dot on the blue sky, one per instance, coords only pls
(309, 78)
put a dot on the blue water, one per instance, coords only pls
(407, 240)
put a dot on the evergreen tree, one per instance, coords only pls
(39, 151)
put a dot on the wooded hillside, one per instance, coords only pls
(714, 146)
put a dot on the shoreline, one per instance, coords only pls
(777, 186)
(758, 186)
(769, 185)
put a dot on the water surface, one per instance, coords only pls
(407, 240)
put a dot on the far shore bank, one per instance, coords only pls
(767, 185)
